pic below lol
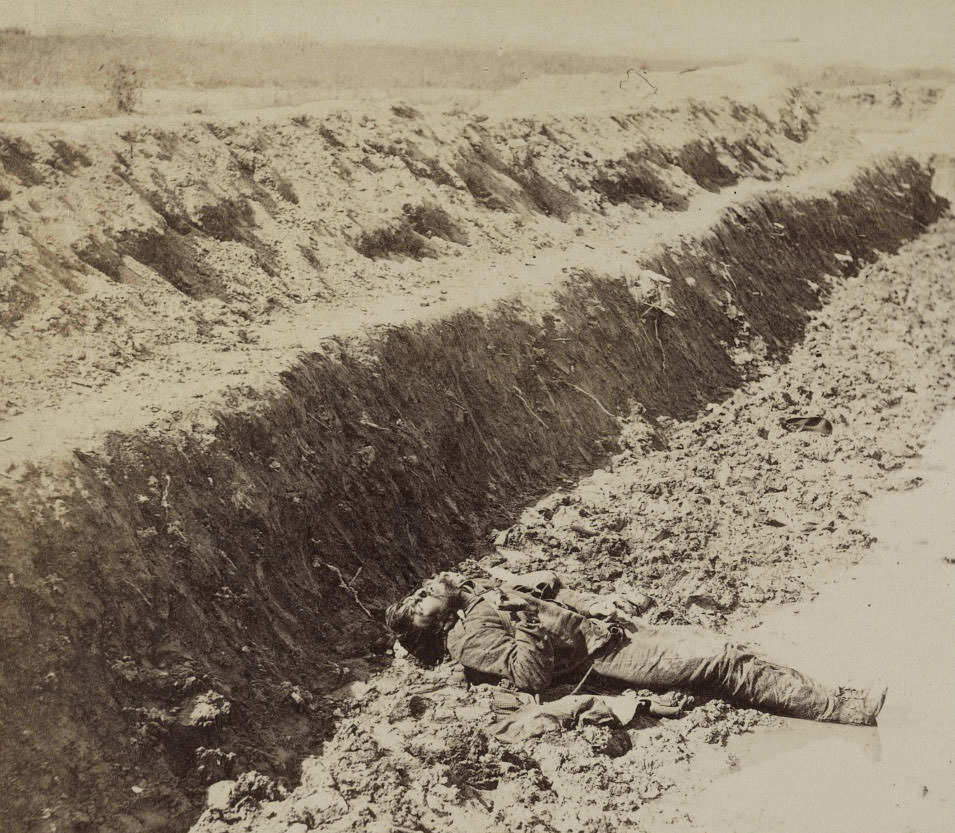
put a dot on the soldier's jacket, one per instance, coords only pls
(551, 636)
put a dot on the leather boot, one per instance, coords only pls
(858, 706)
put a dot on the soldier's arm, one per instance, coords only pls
(516, 648)
(546, 584)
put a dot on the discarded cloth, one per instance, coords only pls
(520, 717)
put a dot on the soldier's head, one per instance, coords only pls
(421, 620)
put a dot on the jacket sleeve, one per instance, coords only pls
(517, 649)
(544, 584)
(577, 600)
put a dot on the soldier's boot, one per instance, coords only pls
(858, 706)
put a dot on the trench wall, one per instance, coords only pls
(245, 573)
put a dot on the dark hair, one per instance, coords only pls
(425, 644)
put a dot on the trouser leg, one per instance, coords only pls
(677, 657)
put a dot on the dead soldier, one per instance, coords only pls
(534, 633)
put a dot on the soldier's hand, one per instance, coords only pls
(527, 618)
(603, 608)
(511, 603)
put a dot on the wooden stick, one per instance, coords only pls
(530, 410)
(591, 396)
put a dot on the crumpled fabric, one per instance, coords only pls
(534, 719)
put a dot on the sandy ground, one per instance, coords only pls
(732, 519)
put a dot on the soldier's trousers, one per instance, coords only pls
(675, 657)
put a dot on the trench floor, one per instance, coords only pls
(893, 612)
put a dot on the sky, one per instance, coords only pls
(900, 32)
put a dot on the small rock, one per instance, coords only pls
(775, 483)
(209, 708)
(723, 474)
(219, 795)
(612, 741)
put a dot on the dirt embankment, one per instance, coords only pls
(714, 517)
(184, 585)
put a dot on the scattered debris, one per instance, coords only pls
(817, 424)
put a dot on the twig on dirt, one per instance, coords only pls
(164, 500)
(371, 424)
(649, 307)
(82, 384)
(530, 410)
(639, 74)
(427, 689)
(583, 679)
(591, 396)
(726, 274)
(656, 332)
(5, 439)
(347, 586)
(145, 597)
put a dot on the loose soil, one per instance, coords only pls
(893, 778)
(713, 518)
(265, 372)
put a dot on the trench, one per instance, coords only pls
(253, 564)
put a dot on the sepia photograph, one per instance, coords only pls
(470, 416)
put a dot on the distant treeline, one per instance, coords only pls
(69, 61)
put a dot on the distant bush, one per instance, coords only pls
(124, 86)
(227, 221)
(479, 177)
(700, 161)
(635, 181)
(546, 197)
(751, 156)
(422, 165)
(19, 160)
(330, 137)
(400, 240)
(430, 220)
(101, 256)
(405, 111)
(285, 189)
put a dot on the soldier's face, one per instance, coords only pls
(432, 600)
(427, 609)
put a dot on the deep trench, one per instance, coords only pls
(262, 560)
